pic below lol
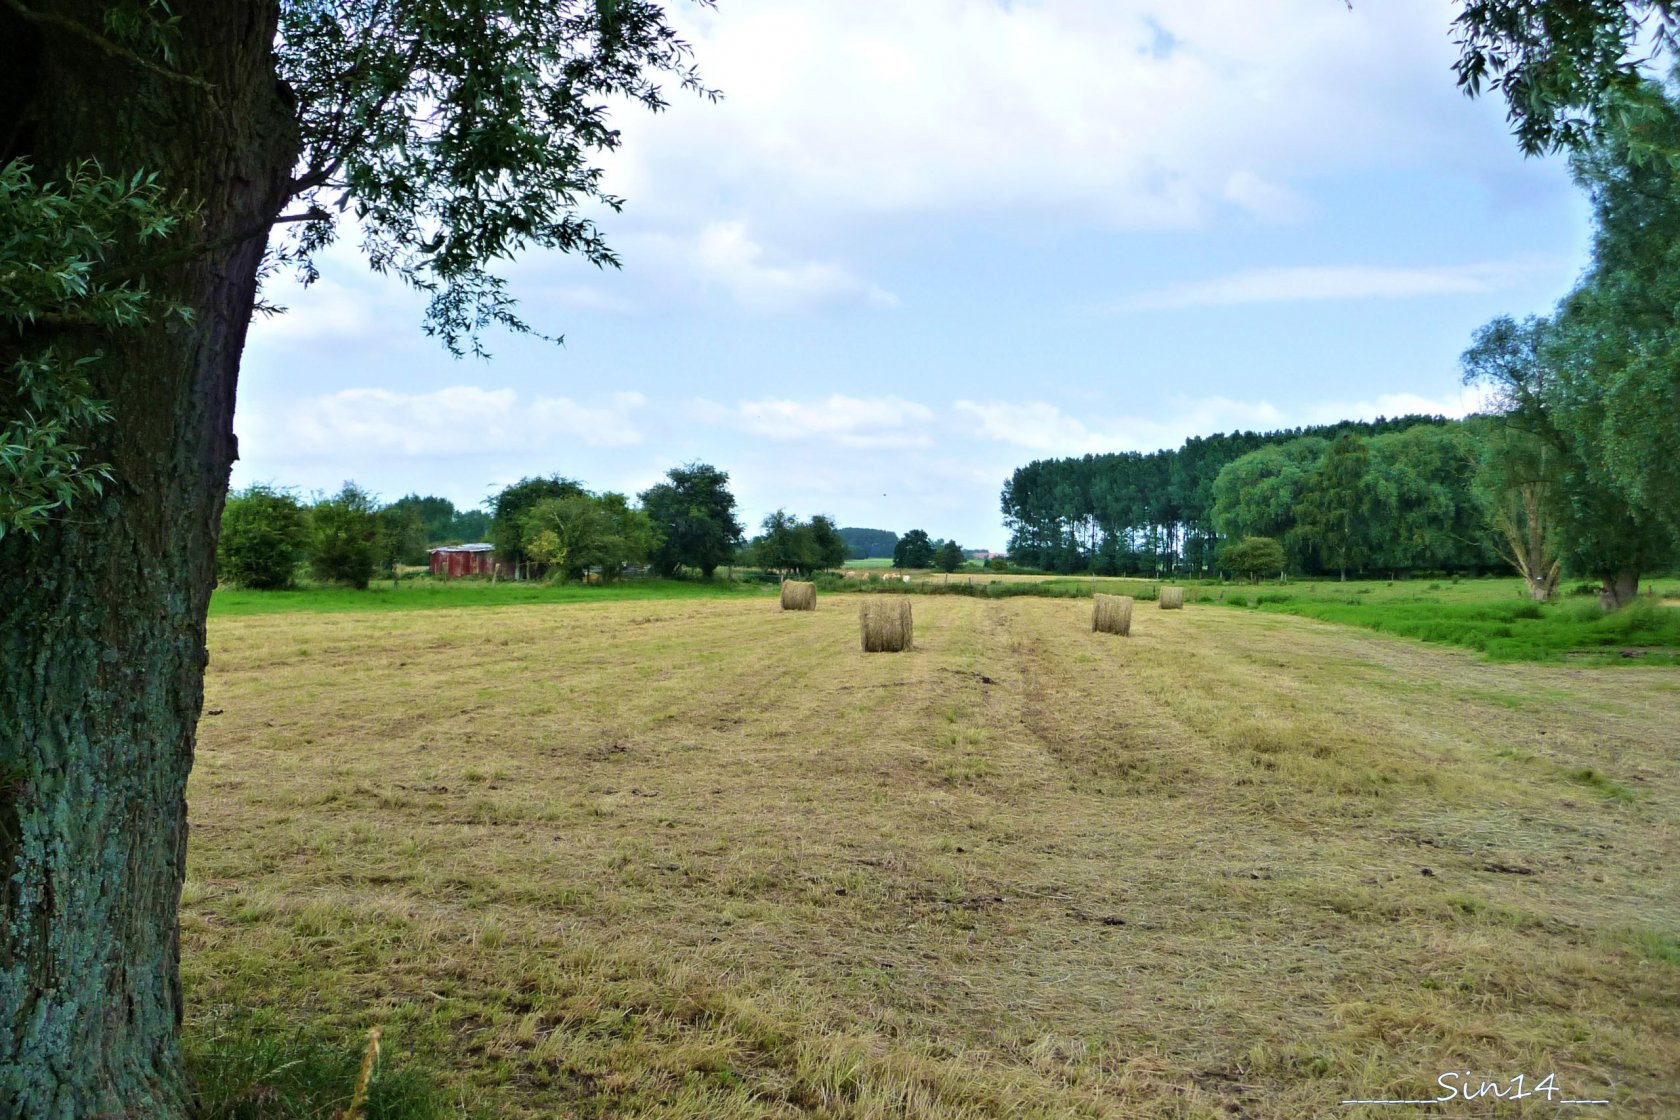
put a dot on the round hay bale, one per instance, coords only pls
(1112, 614)
(886, 625)
(798, 596)
(1172, 598)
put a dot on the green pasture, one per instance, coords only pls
(427, 594)
(1504, 627)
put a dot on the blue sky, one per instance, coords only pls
(919, 245)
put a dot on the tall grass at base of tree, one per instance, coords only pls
(261, 1070)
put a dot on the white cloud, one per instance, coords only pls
(459, 420)
(1263, 199)
(1138, 113)
(1337, 282)
(326, 311)
(1040, 426)
(1032, 424)
(854, 422)
(724, 257)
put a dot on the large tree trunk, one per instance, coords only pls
(1619, 590)
(102, 617)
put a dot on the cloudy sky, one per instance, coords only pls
(920, 244)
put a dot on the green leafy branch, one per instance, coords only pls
(54, 240)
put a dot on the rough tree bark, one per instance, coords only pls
(102, 617)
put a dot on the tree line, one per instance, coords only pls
(543, 527)
(1134, 513)
(539, 527)
(1530, 487)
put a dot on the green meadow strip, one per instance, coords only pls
(429, 595)
(1646, 633)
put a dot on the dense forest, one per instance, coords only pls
(868, 544)
(1133, 513)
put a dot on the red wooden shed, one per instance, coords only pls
(455, 560)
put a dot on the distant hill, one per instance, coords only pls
(868, 544)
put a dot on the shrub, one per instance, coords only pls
(343, 533)
(263, 534)
(1254, 557)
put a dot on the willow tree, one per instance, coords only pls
(1548, 439)
(1576, 76)
(153, 157)
(1564, 66)
(1336, 506)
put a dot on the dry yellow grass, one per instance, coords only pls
(1111, 614)
(886, 625)
(679, 860)
(798, 595)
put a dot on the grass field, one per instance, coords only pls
(701, 858)
(1494, 617)
(1504, 628)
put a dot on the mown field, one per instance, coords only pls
(1494, 617)
(686, 858)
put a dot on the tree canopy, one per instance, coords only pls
(914, 550)
(1621, 325)
(509, 526)
(694, 513)
(460, 136)
(948, 557)
(585, 533)
(1565, 67)
(794, 547)
(1591, 396)
(343, 540)
(1336, 510)
(55, 236)
(442, 523)
(1130, 513)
